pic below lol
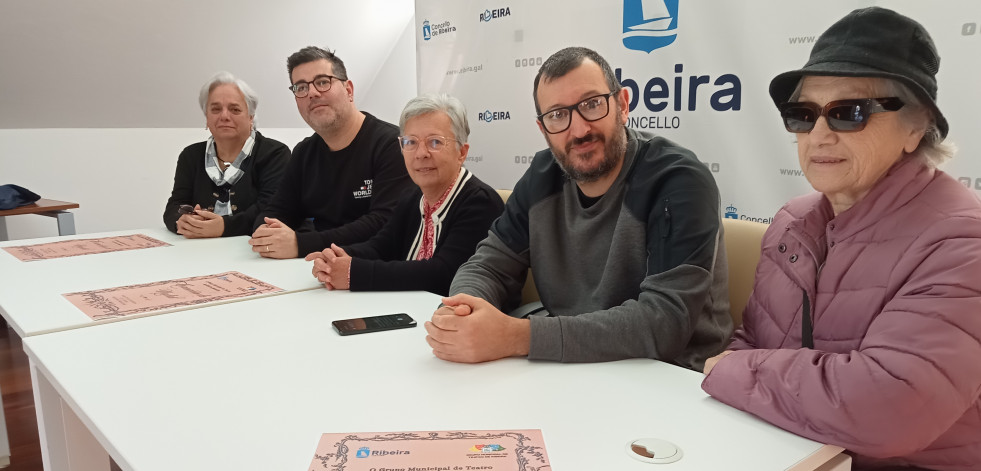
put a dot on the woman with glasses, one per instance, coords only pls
(864, 326)
(223, 183)
(437, 226)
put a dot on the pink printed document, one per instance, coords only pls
(76, 247)
(123, 301)
(470, 450)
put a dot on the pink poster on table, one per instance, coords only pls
(76, 247)
(491, 450)
(109, 303)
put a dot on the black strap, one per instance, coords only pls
(806, 331)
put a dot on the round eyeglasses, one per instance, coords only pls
(320, 82)
(593, 108)
(433, 143)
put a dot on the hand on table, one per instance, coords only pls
(200, 224)
(711, 362)
(468, 329)
(274, 240)
(332, 267)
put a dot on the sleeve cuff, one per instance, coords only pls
(546, 338)
(306, 243)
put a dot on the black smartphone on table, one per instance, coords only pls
(363, 325)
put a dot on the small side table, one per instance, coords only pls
(44, 207)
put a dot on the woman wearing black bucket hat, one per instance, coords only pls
(864, 326)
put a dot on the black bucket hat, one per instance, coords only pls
(872, 42)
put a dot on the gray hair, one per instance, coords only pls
(221, 78)
(429, 103)
(932, 149)
(564, 61)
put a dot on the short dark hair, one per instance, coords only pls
(314, 53)
(562, 62)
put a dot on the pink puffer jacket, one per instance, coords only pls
(895, 373)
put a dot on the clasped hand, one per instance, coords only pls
(332, 267)
(200, 224)
(274, 240)
(468, 329)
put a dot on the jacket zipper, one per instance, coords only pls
(807, 330)
(666, 231)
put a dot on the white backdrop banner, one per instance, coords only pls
(697, 71)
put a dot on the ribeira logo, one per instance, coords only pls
(489, 116)
(649, 24)
(430, 31)
(487, 448)
(365, 452)
(731, 213)
(488, 15)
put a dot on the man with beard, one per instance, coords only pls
(347, 177)
(621, 228)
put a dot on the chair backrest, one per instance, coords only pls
(743, 240)
(529, 293)
(505, 194)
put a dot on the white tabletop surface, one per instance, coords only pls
(31, 292)
(253, 385)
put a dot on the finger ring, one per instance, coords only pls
(267, 248)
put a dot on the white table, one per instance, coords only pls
(31, 292)
(253, 385)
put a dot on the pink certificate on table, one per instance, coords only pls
(76, 247)
(470, 450)
(123, 301)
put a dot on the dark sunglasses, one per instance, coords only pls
(841, 115)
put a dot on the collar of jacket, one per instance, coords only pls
(817, 228)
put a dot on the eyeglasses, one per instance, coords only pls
(321, 82)
(433, 143)
(591, 109)
(842, 115)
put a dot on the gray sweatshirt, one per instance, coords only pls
(639, 274)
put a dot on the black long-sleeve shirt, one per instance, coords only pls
(349, 193)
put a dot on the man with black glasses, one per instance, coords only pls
(347, 177)
(623, 233)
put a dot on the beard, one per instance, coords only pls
(328, 121)
(613, 150)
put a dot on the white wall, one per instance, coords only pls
(95, 140)
(753, 158)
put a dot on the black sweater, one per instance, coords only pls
(348, 193)
(252, 192)
(380, 263)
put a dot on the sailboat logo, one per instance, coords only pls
(649, 24)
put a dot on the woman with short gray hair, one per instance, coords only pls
(437, 226)
(222, 184)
